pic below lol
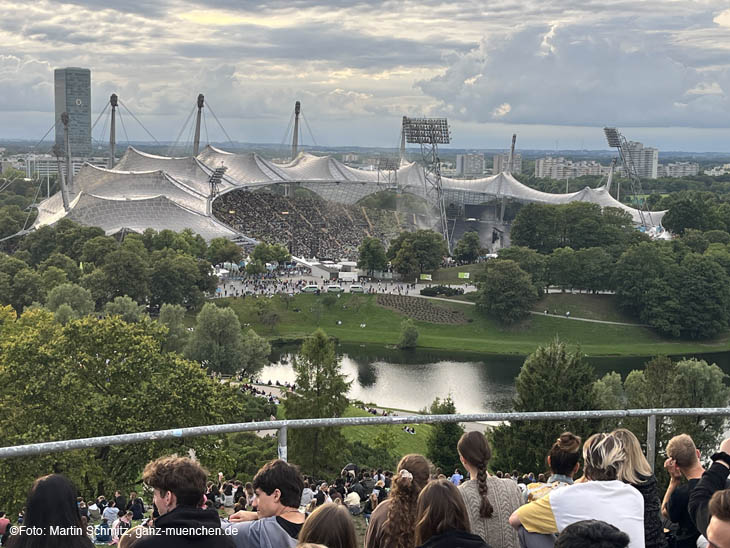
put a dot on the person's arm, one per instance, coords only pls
(535, 517)
(243, 515)
(675, 478)
(712, 480)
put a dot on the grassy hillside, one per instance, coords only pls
(307, 312)
(594, 307)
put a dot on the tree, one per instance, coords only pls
(563, 268)
(444, 436)
(217, 340)
(172, 316)
(53, 277)
(174, 279)
(664, 383)
(67, 264)
(685, 213)
(530, 261)
(126, 308)
(468, 248)
(270, 253)
(127, 272)
(408, 335)
(96, 250)
(222, 250)
(552, 378)
(255, 267)
(419, 251)
(321, 392)
(505, 292)
(76, 297)
(256, 352)
(26, 289)
(371, 255)
(704, 297)
(537, 226)
(115, 374)
(594, 269)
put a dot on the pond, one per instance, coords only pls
(411, 380)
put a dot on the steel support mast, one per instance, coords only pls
(617, 140)
(429, 133)
(196, 143)
(113, 101)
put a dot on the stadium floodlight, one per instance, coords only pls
(388, 164)
(428, 131)
(613, 137)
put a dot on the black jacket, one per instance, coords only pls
(712, 480)
(455, 539)
(185, 517)
(653, 528)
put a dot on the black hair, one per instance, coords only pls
(592, 533)
(278, 474)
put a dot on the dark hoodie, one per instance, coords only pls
(455, 539)
(185, 517)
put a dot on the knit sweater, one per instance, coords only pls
(653, 528)
(505, 497)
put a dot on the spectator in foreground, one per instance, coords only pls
(51, 502)
(392, 523)
(178, 485)
(442, 520)
(278, 486)
(563, 463)
(489, 500)
(331, 526)
(700, 509)
(636, 471)
(602, 496)
(592, 534)
(683, 459)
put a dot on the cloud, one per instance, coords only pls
(574, 74)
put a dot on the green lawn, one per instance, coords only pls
(307, 312)
(405, 443)
(583, 305)
(451, 275)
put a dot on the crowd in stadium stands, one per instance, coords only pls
(309, 227)
(597, 493)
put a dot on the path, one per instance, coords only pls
(468, 426)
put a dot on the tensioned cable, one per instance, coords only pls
(138, 121)
(99, 117)
(205, 124)
(286, 135)
(126, 136)
(221, 125)
(308, 128)
(169, 152)
(189, 142)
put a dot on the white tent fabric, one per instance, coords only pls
(145, 190)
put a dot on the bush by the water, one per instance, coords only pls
(436, 290)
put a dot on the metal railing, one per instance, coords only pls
(283, 426)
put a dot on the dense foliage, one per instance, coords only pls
(103, 376)
(444, 436)
(553, 378)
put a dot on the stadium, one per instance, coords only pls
(245, 197)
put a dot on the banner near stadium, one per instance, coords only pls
(464, 275)
(426, 277)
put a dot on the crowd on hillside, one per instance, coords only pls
(597, 493)
(310, 227)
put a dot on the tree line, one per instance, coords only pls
(679, 287)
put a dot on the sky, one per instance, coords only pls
(553, 71)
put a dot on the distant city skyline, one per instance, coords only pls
(553, 71)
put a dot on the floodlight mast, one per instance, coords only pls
(616, 140)
(429, 133)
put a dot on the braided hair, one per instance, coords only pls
(413, 474)
(474, 449)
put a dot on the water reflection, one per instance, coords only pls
(413, 379)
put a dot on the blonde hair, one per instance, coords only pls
(133, 535)
(682, 449)
(602, 455)
(635, 469)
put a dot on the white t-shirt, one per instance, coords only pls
(611, 501)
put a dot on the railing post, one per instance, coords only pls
(651, 440)
(282, 443)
